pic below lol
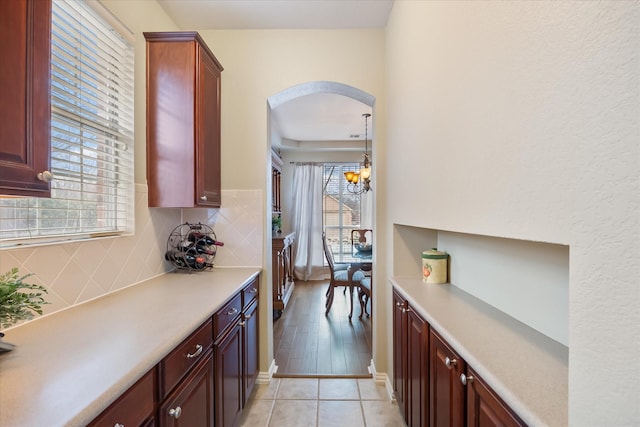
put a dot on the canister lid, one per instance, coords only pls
(434, 254)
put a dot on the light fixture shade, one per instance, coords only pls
(356, 178)
(349, 176)
(365, 172)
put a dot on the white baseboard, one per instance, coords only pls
(265, 377)
(382, 378)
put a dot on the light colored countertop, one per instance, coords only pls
(527, 369)
(69, 366)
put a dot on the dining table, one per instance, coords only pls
(358, 260)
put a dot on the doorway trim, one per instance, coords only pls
(274, 101)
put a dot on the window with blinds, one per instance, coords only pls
(92, 191)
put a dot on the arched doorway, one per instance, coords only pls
(357, 102)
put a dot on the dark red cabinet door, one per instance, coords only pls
(400, 352)
(25, 110)
(485, 408)
(250, 354)
(208, 167)
(417, 370)
(228, 378)
(191, 404)
(446, 392)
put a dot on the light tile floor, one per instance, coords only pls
(321, 402)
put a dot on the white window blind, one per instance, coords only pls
(92, 191)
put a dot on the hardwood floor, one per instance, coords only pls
(308, 343)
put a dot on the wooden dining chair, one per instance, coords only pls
(364, 295)
(347, 277)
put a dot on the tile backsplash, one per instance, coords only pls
(75, 272)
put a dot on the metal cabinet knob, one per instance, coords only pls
(464, 379)
(195, 353)
(175, 413)
(118, 425)
(450, 362)
(45, 176)
(402, 307)
(203, 198)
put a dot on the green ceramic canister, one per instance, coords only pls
(434, 266)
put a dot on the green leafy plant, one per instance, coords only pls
(17, 303)
(276, 222)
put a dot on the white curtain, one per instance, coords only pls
(307, 221)
(366, 210)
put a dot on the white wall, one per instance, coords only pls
(520, 120)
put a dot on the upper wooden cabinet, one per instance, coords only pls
(183, 121)
(276, 175)
(25, 110)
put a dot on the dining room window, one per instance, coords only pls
(342, 211)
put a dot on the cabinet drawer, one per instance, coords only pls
(249, 293)
(133, 407)
(182, 358)
(226, 315)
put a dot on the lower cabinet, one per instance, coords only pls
(191, 403)
(484, 406)
(235, 355)
(447, 392)
(205, 381)
(411, 363)
(417, 370)
(251, 342)
(433, 385)
(400, 352)
(228, 377)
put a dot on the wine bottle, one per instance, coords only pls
(201, 250)
(203, 239)
(183, 260)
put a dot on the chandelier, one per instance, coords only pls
(360, 182)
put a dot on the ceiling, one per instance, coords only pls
(313, 122)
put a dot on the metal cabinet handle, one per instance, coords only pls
(45, 176)
(196, 353)
(245, 317)
(203, 198)
(175, 413)
(118, 425)
(464, 379)
(242, 323)
(253, 290)
(402, 308)
(450, 362)
(232, 311)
